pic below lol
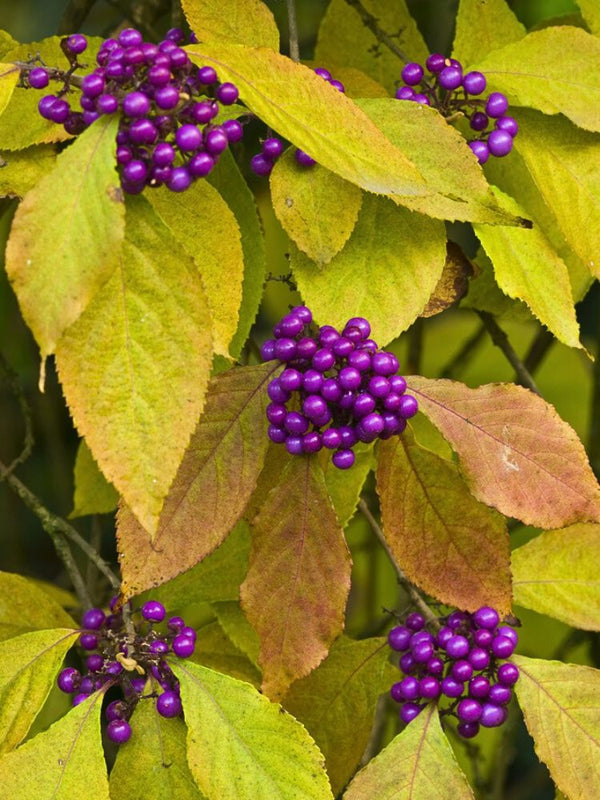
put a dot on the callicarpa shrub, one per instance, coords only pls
(299, 456)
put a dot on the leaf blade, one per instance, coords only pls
(496, 26)
(246, 22)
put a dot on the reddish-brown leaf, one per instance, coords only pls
(212, 487)
(515, 452)
(299, 576)
(447, 542)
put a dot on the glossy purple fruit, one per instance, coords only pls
(496, 104)
(304, 159)
(153, 611)
(412, 73)
(436, 62)
(118, 731)
(479, 121)
(474, 82)
(38, 78)
(68, 680)
(469, 710)
(405, 93)
(480, 149)
(468, 729)
(227, 94)
(343, 459)
(500, 143)
(399, 638)
(169, 704)
(76, 43)
(492, 715)
(93, 619)
(450, 77)
(408, 406)
(183, 646)
(508, 124)
(409, 711)
(502, 647)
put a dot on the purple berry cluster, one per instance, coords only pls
(345, 388)
(454, 93)
(463, 664)
(262, 163)
(113, 659)
(167, 106)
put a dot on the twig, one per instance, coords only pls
(500, 339)
(413, 593)
(58, 527)
(372, 23)
(456, 364)
(28, 440)
(415, 347)
(293, 30)
(537, 350)
(73, 16)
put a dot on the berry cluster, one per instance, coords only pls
(454, 93)
(113, 659)
(345, 388)
(167, 107)
(459, 663)
(262, 163)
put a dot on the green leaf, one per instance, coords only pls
(242, 745)
(344, 488)
(93, 493)
(7, 43)
(515, 452)
(229, 182)
(560, 706)
(28, 667)
(233, 621)
(206, 228)
(386, 272)
(299, 576)
(448, 543)
(316, 208)
(135, 366)
(343, 39)
(528, 268)
(591, 14)
(557, 574)
(564, 163)
(64, 762)
(21, 170)
(9, 74)
(217, 578)
(337, 702)
(214, 649)
(153, 763)
(417, 765)
(494, 23)
(292, 100)
(443, 158)
(26, 606)
(530, 74)
(64, 245)
(244, 22)
(485, 295)
(212, 487)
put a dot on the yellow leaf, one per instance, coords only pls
(240, 22)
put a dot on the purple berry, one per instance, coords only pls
(496, 104)
(462, 670)
(311, 442)
(422, 99)
(142, 131)
(499, 694)
(509, 633)
(183, 645)
(429, 688)
(486, 617)
(285, 349)
(169, 704)
(469, 710)
(38, 78)
(452, 687)
(89, 641)
(323, 360)
(94, 662)
(188, 138)
(76, 43)
(276, 434)
(343, 459)
(500, 143)
(201, 165)
(409, 711)
(505, 123)
(93, 619)
(207, 75)
(409, 688)
(135, 171)
(399, 638)
(479, 686)
(435, 63)
(167, 97)
(407, 663)
(492, 715)
(405, 93)
(480, 149)
(331, 439)
(474, 82)
(364, 405)
(159, 76)
(293, 445)
(384, 363)
(412, 73)
(508, 674)
(227, 94)
(175, 623)
(261, 165)
(479, 121)
(68, 680)
(180, 180)
(337, 85)
(107, 104)
(479, 658)
(79, 698)
(295, 423)
(153, 611)
(323, 73)
(502, 647)
(92, 85)
(468, 729)
(233, 130)
(304, 159)
(118, 731)
(130, 37)
(272, 148)
(450, 78)
(216, 141)
(163, 155)
(115, 710)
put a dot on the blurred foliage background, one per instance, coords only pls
(451, 345)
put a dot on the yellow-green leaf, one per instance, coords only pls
(230, 183)
(9, 74)
(233, 621)
(135, 365)
(64, 244)
(557, 574)
(317, 209)
(206, 228)
(337, 702)
(448, 543)
(417, 765)
(528, 268)
(386, 272)
(514, 450)
(25, 606)
(591, 13)
(494, 23)
(530, 74)
(212, 487)
(153, 763)
(240, 745)
(7, 43)
(302, 107)
(560, 706)
(93, 493)
(344, 39)
(216, 650)
(240, 22)
(298, 580)
(62, 763)
(564, 163)
(22, 169)
(29, 665)
(443, 158)
(345, 488)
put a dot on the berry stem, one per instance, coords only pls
(500, 339)
(28, 439)
(372, 23)
(293, 30)
(413, 593)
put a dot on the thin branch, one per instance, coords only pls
(372, 23)
(500, 339)
(293, 30)
(538, 350)
(57, 526)
(457, 363)
(413, 593)
(74, 15)
(28, 440)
